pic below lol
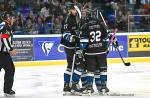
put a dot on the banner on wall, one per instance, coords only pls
(139, 43)
(123, 48)
(48, 48)
(24, 49)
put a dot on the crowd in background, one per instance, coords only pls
(45, 16)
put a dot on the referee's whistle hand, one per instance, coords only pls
(13, 52)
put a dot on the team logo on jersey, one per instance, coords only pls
(46, 46)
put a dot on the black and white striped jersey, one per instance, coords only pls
(6, 43)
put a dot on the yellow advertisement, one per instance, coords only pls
(139, 43)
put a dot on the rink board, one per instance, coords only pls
(37, 50)
(63, 62)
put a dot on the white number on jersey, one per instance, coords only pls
(95, 36)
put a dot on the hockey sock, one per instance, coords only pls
(77, 74)
(90, 77)
(84, 79)
(103, 78)
(67, 75)
(97, 79)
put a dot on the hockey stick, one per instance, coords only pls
(111, 41)
(125, 63)
(73, 62)
(103, 20)
(72, 69)
(113, 36)
(78, 10)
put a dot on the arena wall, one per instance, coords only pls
(46, 50)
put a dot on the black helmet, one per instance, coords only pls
(70, 6)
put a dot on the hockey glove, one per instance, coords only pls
(70, 38)
(80, 57)
(74, 38)
(79, 53)
(115, 42)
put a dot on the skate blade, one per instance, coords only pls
(9, 95)
(88, 94)
(66, 93)
(103, 94)
(76, 93)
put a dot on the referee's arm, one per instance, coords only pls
(7, 43)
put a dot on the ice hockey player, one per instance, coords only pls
(95, 53)
(69, 41)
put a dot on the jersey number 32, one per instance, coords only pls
(95, 36)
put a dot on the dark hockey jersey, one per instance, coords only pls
(69, 25)
(95, 33)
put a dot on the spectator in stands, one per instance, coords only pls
(57, 10)
(20, 21)
(30, 27)
(45, 11)
(40, 25)
(64, 7)
(12, 5)
(121, 20)
(31, 16)
(57, 26)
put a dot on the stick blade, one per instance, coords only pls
(127, 64)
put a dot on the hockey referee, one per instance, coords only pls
(6, 51)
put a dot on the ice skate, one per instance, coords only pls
(66, 89)
(75, 89)
(88, 90)
(103, 91)
(9, 94)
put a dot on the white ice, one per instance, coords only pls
(47, 81)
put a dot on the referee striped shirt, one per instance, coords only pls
(6, 43)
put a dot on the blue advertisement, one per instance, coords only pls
(48, 48)
(122, 41)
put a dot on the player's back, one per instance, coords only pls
(95, 32)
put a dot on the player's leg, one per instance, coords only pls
(91, 66)
(0, 68)
(69, 54)
(79, 69)
(83, 79)
(97, 78)
(102, 59)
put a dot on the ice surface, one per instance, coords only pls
(47, 81)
